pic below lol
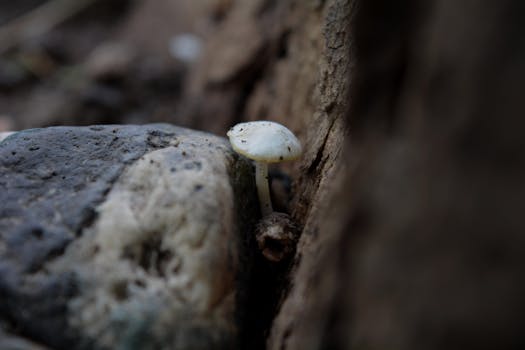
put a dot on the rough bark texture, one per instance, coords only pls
(423, 246)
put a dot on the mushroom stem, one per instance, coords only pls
(263, 190)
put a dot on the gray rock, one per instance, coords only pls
(12, 342)
(123, 237)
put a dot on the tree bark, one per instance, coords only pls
(422, 245)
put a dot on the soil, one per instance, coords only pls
(107, 63)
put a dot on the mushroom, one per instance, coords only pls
(264, 142)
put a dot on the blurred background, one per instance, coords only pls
(137, 61)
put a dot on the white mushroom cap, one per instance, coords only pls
(264, 141)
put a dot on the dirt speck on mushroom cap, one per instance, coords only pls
(265, 141)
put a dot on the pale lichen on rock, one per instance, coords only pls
(162, 251)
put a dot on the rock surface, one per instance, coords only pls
(122, 237)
